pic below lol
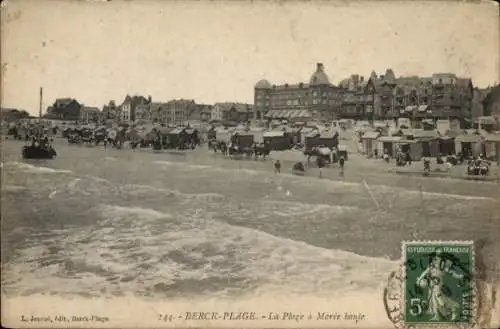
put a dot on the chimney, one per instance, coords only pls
(362, 79)
(319, 67)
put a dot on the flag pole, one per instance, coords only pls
(40, 105)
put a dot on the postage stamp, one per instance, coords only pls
(438, 284)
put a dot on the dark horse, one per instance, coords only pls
(261, 150)
(216, 146)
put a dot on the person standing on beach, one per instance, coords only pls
(321, 163)
(277, 167)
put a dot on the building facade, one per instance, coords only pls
(443, 96)
(7, 114)
(64, 109)
(231, 111)
(143, 112)
(206, 112)
(110, 111)
(129, 105)
(174, 112)
(90, 114)
(491, 102)
(321, 98)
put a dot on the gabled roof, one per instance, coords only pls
(62, 102)
(136, 99)
(204, 108)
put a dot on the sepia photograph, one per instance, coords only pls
(250, 164)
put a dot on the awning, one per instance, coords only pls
(327, 134)
(370, 135)
(453, 133)
(492, 138)
(423, 108)
(287, 114)
(468, 138)
(175, 131)
(391, 139)
(426, 134)
(486, 120)
(274, 134)
(242, 133)
(410, 108)
(379, 124)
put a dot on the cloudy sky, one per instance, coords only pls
(217, 51)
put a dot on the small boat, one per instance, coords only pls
(38, 152)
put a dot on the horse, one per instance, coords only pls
(261, 150)
(219, 146)
(315, 151)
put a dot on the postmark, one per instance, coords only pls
(438, 283)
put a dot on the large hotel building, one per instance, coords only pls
(318, 98)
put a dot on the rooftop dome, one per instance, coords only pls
(319, 77)
(263, 84)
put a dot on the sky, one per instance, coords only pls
(216, 51)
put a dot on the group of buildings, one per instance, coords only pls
(140, 108)
(377, 97)
(443, 96)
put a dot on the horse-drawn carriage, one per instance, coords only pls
(241, 143)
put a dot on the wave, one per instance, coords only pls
(139, 189)
(150, 252)
(38, 169)
(113, 212)
(13, 188)
(298, 209)
(452, 196)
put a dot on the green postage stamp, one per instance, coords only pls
(438, 285)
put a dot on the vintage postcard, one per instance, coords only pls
(250, 164)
